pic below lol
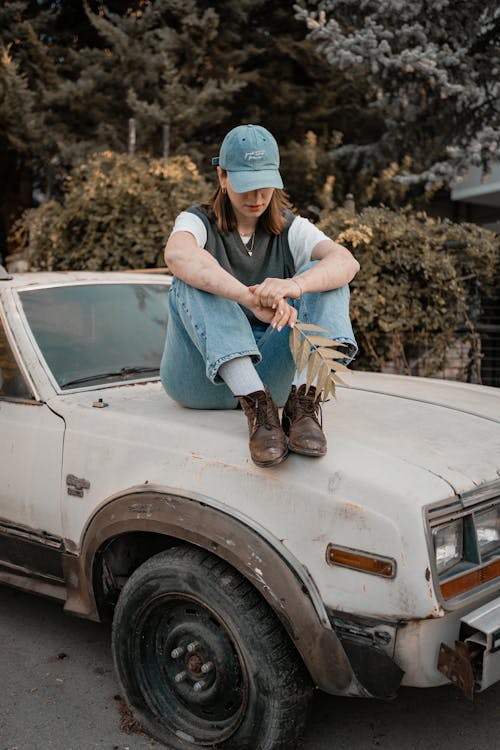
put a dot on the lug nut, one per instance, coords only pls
(194, 646)
(177, 652)
(180, 676)
(198, 686)
(207, 667)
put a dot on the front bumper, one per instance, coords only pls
(473, 664)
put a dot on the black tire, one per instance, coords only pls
(252, 691)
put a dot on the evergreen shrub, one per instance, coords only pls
(418, 296)
(116, 212)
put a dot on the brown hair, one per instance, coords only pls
(272, 221)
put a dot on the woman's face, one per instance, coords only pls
(248, 207)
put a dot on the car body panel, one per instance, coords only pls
(102, 462)
(31, 451)
(141, 437)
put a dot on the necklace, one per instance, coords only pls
(248, 245)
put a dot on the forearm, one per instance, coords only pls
(335, 267)
(199, 269)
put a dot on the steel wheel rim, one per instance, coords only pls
(190, 670)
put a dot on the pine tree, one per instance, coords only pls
(19, 120)
(431, 71)
(197, 66)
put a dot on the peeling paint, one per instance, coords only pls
(140, 509)
(348, 511)
(354, 507)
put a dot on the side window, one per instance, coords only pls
(12, 383)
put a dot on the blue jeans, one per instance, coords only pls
(205, 330)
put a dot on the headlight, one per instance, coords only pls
(448, 544)
(488, 531)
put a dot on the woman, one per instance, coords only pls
(245, 268)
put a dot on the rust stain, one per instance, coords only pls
(351, 506)
(456, 665)
(351, 511)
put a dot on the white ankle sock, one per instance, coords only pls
(241, 376)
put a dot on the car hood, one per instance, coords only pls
(380, 425)
(448, 428)
(477, 400)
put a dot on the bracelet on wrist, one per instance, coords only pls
(300, 288)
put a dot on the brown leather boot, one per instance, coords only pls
(302, 424)
(267, 439)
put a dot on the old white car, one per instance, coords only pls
(235, 590)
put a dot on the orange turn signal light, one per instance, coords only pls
(471, 579)
(365, 562)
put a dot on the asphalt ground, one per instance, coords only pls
(58, 692)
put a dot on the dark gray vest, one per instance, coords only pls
(271, 256)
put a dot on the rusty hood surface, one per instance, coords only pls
(389, 455)
(448, 430)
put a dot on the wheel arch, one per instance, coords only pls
(166, 517)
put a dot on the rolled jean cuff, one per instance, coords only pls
(213, 367)
(352, 349)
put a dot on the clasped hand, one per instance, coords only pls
(271, 305)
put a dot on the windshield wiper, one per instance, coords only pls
(103, 375)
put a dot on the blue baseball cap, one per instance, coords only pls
(250, 156)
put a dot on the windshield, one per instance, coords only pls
(99, 333)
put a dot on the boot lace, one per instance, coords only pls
(265, 415)
(307, 406)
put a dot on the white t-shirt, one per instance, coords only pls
(303, 235)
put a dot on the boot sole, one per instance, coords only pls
(305, 452)
(273, 462)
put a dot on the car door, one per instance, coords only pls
(31, 444)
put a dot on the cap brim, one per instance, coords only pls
(243, 182)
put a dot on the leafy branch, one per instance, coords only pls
(312, 345)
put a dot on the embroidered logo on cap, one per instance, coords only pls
(254, 155)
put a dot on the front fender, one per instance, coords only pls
(282, 581)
